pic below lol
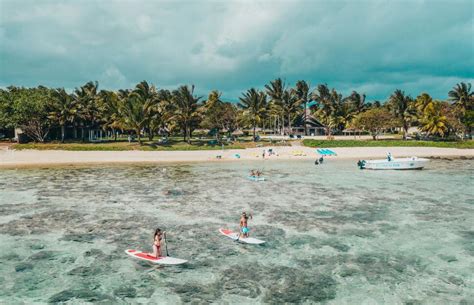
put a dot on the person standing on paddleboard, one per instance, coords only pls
(244, 230)
(157, 240)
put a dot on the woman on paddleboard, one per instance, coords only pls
(244, 230)
(157, 238)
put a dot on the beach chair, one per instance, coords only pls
(326, 152)
(330, 152)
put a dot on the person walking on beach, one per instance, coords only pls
(244, 229)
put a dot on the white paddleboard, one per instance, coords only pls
(162, 260)
(235, 236)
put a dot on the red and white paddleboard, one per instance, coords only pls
(235, 236)
(162, 260)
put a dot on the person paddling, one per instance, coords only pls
(244, 230)
(157, 242)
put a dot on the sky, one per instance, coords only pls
(373, 47)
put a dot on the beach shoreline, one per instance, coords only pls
(45, 158)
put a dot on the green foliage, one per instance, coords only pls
(303, 96)
(255, 107)
(186, 114)
(374, 120)
(402, 107)
(218, 115)
(28, 108)
(7, 109)
(387, 143)
(332, 109)
(63, 109)
(145, 110)
(463, 100)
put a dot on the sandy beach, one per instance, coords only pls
(32, 158)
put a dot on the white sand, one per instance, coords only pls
(13, 158)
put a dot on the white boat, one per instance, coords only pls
(402, 163)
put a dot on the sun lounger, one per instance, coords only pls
(326, 152)
(330, 152)
(298, 153)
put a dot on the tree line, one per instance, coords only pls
(147, 111)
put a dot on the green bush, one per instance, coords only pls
(386, 143)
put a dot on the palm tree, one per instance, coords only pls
(109, 105)
(463, 100)
(149, 95)
(357, 101)
(401, 107)
(186, 113)
(433, 120)
(163, 113)
(422, 101)
(275, 90)
(134, 111)
(64, 109)
(254, 105)
(291, 106)
(218, 115)
(86, 99)
(462, 96)
(328, 107)
(304, 96)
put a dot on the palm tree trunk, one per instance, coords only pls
(304, 120)
(282, 125)
(405, 130)
(63, 131)
(254, 126)
(185, 132)
(289, 124)
(138, 136)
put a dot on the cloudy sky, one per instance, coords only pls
(369, 46)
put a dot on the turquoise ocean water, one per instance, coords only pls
(335, 234)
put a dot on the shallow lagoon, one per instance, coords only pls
(335, 234)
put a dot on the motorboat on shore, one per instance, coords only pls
(391, 163)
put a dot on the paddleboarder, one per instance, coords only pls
(157, 241)
(244, 230)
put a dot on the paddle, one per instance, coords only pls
(166, 244)
(238, 237)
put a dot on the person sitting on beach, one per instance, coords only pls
(258, 173)
(244, 230)
(157, 240)
(252, 173)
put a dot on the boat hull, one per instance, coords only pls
(396, 164)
